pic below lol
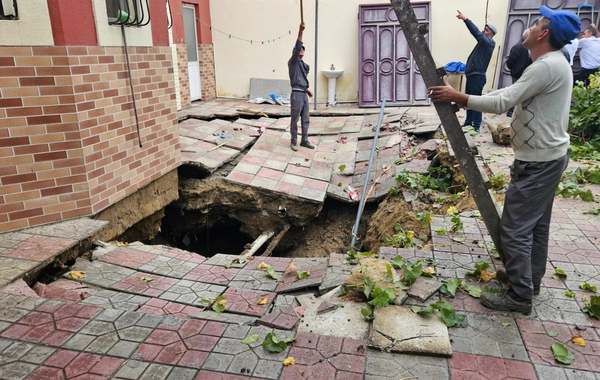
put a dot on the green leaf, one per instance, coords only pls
(559, 274)
(593, 307)
(273, 344)
(410, 272)
(220, 304)
(342, 167)
(205, 300)
(441, 231)
(570, 294)
(561, 354)
(473, 290)
(446, 312)
(366, 312)
(460, 238)
(303, 275)
(382, 297)
(461, 321)
(227, 266)
(250, 339)
(422, 310)
(505, 324)
(398, 262)
(451, 285)
(390, 271)
(271, 273)
(368, 288)
(586, 286)
(552, 334)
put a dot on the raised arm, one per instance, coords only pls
(471, 26)
(296, 52)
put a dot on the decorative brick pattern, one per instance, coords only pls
(207, 71)
(184, 76)
(68, 136)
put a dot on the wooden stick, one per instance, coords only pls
(247, 110)
(301, 12)
(216, 147)
(275, 241)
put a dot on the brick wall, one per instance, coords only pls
(68, 140)
(184, 78)
(207, 71)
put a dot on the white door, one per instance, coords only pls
(191, 43)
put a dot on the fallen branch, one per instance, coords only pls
(255, 112)
(275, 241)
(216, 147)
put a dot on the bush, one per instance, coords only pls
(584, 117)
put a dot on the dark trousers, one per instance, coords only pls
(474, 86)
(525, 223)
(300, 109)
(584, 76)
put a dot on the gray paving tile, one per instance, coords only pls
(384, 365)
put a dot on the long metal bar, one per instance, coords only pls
(316, 51)
(363, 195)
(135, 111)
(486, 203)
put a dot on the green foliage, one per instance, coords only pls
(559, 274)
(368, 287)
(586, 286)
(450, 286)
(411, 271)
(271, 273)
(394, 191)
(569, 185)
(401, 239)
(446, 312)
(250, 339)
(584, 117)
(220, 304)
(439, 179)
(302, 275)
(561, 354)
(342, 167)
(480, 266)
(498, 182)
(585, 151)
(353, 257)
(592, 307)
(457, 224)
(274, 344)
(426, 217)
(367, 313)
(570, 294)
(382, 297)
(390, 271)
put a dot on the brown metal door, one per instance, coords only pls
(523, 13)
(386, 65)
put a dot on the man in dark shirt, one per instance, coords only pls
(517, 61)
(477, 64)
(298, 71)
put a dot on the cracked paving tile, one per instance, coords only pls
(214, 274)
(191, 292)
(127, 257)
(335, 276)
(244, 301)
(486, 335)
(116, 300)
(538, 343)
(457, 264)
(100, 273)
(151, 285)
(254, 279)
(76, 364)
(221, 259)
(382, 365)
(290, 281)
(284, 318)
(38, 248)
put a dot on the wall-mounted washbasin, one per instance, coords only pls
(332, 75)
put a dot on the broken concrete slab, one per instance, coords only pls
(376, 270)
(398, 329)
(284, 317)
(345, 321)
(423, 288)
(335, 276)
(326, 306)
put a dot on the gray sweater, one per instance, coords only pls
(541, 98)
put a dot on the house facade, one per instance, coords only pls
(72, 140)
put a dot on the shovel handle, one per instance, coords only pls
(301, 11)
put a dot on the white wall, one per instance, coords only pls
(111, 35)
(31, 29)
(237, 61)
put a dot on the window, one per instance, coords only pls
(127, 12)
(8, 10)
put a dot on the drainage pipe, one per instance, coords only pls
(364, 194)
(262, 239)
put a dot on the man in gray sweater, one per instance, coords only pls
(541, 98)
(298, 71)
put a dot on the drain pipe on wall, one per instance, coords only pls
(364, 194)
(137, 120)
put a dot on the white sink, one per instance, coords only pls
(332, 73)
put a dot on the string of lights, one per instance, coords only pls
(231, 36)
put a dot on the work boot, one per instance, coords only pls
(507, 300)
(294, 147)
(307, 144)
(503, 277)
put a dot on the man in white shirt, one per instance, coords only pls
(571, 49)
(589, 54)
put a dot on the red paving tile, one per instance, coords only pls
(297, 170)
(270, 174)
(316, 185)
(136, 283)
(538, 343)
(288, 188)
(180, 254)
(244, 301)
(38, 248)
(468, 366)
(128, 257)
(241, 177)
(162, 307)
(212, 274)
(326, 357)
(290, 281)
(77, 364)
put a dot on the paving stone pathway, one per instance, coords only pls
(145, 312)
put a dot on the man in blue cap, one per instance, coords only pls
(539, 138)
(477, 64)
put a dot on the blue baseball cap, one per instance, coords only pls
(565, 24)
(492, 28)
